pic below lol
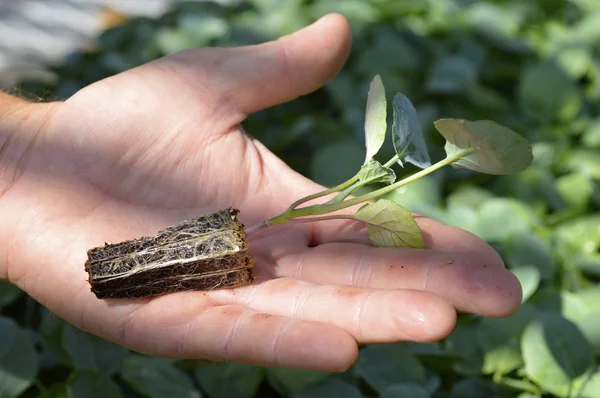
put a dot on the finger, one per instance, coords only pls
(256, 77)
(369, 315)
(189, 325)
(472, 283)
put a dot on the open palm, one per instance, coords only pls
(162, 143)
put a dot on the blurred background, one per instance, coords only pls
(532, 65)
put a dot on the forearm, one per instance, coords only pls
(20, 123)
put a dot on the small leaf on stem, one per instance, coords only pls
(390, 225)
(407, 135)
(375, 118)
(495, 149)
(373, 172)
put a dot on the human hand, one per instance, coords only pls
(161, 143)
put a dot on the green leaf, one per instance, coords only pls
(373, 172)
(583, 308)
(90, 384)
(578, 241)
(172, 40)
(529, 277)
(575, 62)
(79, 347)
(438, 361)
(591, 137)
(555, 353)
(525, 249)
(230, 379)
(583, 160)
(8, 293)
(58, 390)
(535, 186)
(494, 149)
(590, 327)
(358, 12)
(520, 385)
(473, 388)
(568, 304)
(51, 336)
(407, 135)
(88, 352)
(587, 386)
(203, 25)
(287, 381)
(332, 388)
(375, 118)
(451, 74)
(157, 378)
(500, 340)
(548, 94)
(390, 225)
(590, 298)
(499, 220)
(383, 365)
(404, 390)
(18, 359)
(469, 196)
(576, 189)
(463, 341)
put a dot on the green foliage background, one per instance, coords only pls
(531, 65)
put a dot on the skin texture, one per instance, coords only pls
(161, 143)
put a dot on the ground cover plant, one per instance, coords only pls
(532, 66)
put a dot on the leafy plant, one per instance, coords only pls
(482, 146)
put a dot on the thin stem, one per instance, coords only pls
(339, 198)
(256, 227)
(324, 218)
(391, 162)
(323, 209)
(286, 215)
(323, 193)
(358, 184)
(315, 210)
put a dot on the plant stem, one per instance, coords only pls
(324, 218)
(358, 184)
(287, 214)
(292, 213)
(329, 208)
(323, 193)
(256, 227)
(391, 162)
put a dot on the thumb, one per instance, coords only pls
(255, 77)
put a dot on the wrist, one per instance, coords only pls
(21, 123)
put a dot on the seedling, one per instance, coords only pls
(482, 146)
(210, 252)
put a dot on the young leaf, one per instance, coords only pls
(495, 149)
(375, 118)
(407, 134)
(373, 172)
(390, 225)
